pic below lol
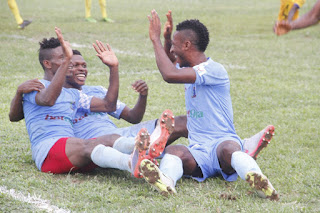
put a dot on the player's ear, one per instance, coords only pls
(46, 64)
(187, 45)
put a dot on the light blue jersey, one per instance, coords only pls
(208, 104)
(95, 124)
(46, 125)
(210, 116)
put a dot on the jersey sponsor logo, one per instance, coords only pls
(100, 114)
(80, 118)
(63, 118)
(194, 114)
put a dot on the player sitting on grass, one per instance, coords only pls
(90, 125)
(49, 113)
(214, 147)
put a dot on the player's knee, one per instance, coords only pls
(179, 150)
(225, 151)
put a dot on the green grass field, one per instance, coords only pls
(274, 80)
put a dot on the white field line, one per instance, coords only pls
(75, 45)
(117, 51)
(124, 72)
(36, 201)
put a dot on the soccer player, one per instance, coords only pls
(15, 11)
(214, 147)
(93, 124)
(48, 115)
(310, 18)
(88, 125)
(289, 9)
(103, 8)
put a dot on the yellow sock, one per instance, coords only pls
(15, 11)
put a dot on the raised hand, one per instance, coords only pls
(141, 87)
(67, 50)
(106, 54)
(281, 28)
(155, 26)
(29, 86)
(168, 26)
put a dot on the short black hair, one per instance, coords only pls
(201, 37)
(46, 45)
(76, 52)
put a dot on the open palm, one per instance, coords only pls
(106, 54)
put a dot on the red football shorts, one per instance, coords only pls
(57, 161)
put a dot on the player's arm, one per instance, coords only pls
(135, 115)
(293, 10)
(310, 18)
(16, 107)
(167, 69)
(109, 102)
(167, 32)
(49, 95)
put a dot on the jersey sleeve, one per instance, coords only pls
(30, 97)
(116, 114)
(211, 73)
(84, 101)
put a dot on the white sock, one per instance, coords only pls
(243, 163)
(124, 145)
(107, 157)
(172, 167)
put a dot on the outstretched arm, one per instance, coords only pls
(49, 95)
(167, 69)
(136, 114)
(109, 102)
(309, 19)
(16, 107)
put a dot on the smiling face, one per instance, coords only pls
(77, 72)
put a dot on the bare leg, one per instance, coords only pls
(180, 129)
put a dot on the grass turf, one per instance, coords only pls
(274, 80)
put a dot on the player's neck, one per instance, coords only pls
(197, 58)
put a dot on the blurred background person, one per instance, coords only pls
(103, 8)
(310, 18)
(15, 11)
(289, 9)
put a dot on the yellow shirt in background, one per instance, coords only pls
(286, 6)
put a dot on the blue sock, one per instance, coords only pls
(171, 166)
(243, 163)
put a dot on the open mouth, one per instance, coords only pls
(81, 76)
